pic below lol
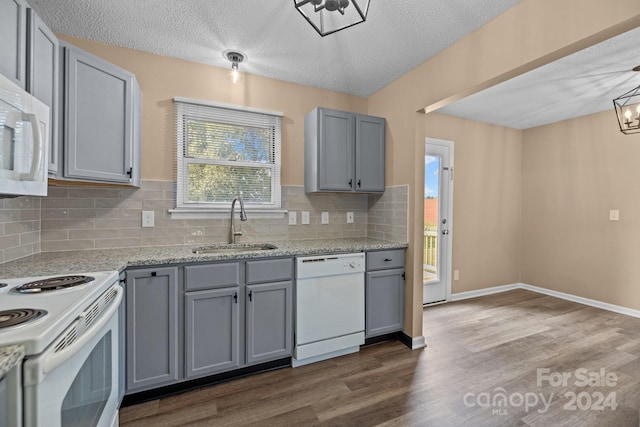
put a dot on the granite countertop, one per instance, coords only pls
(9, 357)
(93, 260)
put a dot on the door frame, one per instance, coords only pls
(448, 254)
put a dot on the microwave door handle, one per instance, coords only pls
(52, 361)
(38, 148)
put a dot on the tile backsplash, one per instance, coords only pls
(73, 217)
(19, 227)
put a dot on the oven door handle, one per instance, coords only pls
(54, 360)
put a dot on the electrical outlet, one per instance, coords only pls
(325, 217)
(305, 217)
(349, 217)
(293, 218)
(456, 274)
(614, 215)
(148, 218)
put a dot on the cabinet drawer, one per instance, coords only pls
(269, 270)
(382, 260)
(210, 276)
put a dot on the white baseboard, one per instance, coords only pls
(418, 342)
(569, 297)
(482, 292)
(586, 301)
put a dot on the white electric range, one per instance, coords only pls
(69, 326)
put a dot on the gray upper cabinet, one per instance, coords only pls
(43, 77)
(13, 40)
(269, 321)
(212, 331)
(343, 151)
(101, 124)
(153, 339)
(370, 145)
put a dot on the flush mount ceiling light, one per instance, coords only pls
(235, 57)
(627, 109)
(329, 16)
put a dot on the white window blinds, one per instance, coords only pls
(226, 151)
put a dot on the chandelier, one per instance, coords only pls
(627, 108)
(330, 16)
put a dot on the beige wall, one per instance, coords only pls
(574, 172)
(162, 78)
(531, 34)
(486, 200)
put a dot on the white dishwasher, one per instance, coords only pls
(329, 307)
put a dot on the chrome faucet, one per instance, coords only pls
(243, 217)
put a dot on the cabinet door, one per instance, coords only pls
(152, 327)
(98, 132)
(269, 321)
(384, 302)
(43, 80)
(13, 40)
(336, 150)
(370, 145)
(212, 322)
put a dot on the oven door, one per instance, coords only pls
(77, 385)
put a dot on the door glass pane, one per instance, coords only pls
(89, 392)
(431, 217)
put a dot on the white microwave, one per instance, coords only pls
(24, 142)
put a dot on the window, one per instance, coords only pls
(225, 151)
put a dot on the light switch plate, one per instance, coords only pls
(349, 217)
(293, 218)
(305, 217)
(325, 217)
(614, 215)
(148, 218)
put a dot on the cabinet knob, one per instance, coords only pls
(250, 295)
(351, 183)
(235, 297)
(359, 184)
(388, 260)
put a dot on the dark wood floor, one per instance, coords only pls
(478, 350)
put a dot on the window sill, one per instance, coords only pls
(182, 213)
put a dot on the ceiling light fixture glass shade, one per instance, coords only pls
(330, 16)
(628, 111)
(627, 108)
(235, 57)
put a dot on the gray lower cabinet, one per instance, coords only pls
(4, 404)
(212, 331)
(101, 120)
(13, 40)
(269, 323)
(153, 338)
(343, 151)
(384, 292)
(43, 79)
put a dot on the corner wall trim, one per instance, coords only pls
(418, 342)
(562, 295)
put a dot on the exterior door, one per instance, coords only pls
(438, 215)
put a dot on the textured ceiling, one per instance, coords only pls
(576, 85)
(397, 36)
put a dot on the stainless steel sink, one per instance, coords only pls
(238, 248)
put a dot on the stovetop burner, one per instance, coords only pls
(52, 284)
(18, 316)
